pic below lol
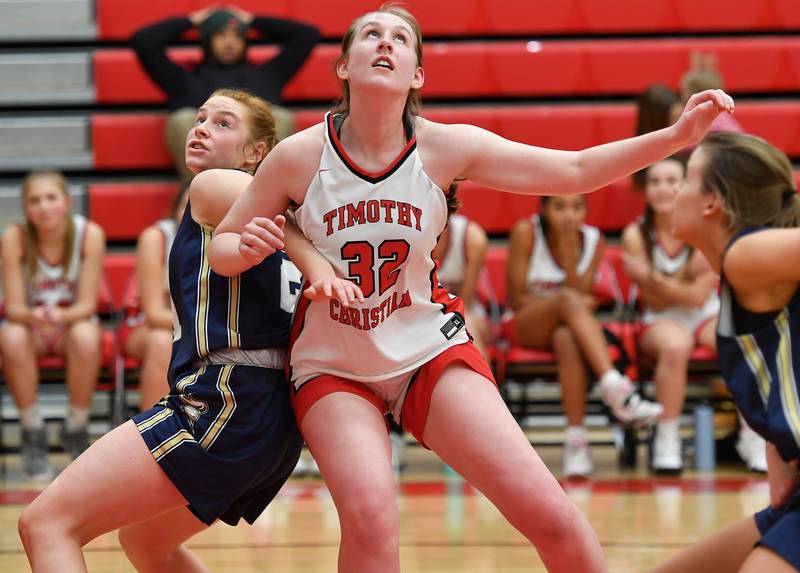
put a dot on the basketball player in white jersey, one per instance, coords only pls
(552, 263)
(368, 182)
(51, 277)
(146, 333)
(461, 250)
(678, 290)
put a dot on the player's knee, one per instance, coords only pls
(37, 526)
(159, 343)
(556, 525)
(372, 521)
(133, 544)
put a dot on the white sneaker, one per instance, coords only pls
(577, 458)
(626, 405)
(667, 458)
(752, 449)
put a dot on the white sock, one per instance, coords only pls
(31, 417)
(575, 434)
(667, 427)
(77, 418)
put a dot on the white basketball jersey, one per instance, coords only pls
(379, 230)
(453, 265)
(168, 228)
(665, 263)
(544, 273)
(50, 285)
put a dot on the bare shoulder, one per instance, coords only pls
(301, 150)
(632, 238)
(12, 241)
(95, 241)
(443, 149)
(294, 162)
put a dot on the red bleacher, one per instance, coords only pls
(142, 204)
(510, 69)
(136, 140)
(117, 19)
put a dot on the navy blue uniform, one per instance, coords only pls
(226, 434)
(761, 366)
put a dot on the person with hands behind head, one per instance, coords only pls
(739, 207)
(223, 34)
(52, 265)
(368, 185)
(222, 442)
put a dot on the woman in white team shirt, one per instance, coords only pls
(552, 263)
(678, 290)
(146, 333)
(461, 251)
(52, 265)
(368, 185)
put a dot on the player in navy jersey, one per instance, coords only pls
(368, 183)
(224, 440)
(739, 207)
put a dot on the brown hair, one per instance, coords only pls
(753, 179)
(647, 222)
(654, 107)
(30, 234)
(262, 123)
(701, 76)
(453, 202)
(414, 100)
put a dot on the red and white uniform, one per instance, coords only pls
(51, 284)
(453, 265)
(168, 228)
(693, 318)
(544, 273)
(379, 230)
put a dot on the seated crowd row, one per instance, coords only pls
(553, 260)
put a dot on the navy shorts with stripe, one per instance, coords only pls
(226, 436)
(780, 529)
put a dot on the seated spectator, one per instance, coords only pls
(223, 37)
(553, 259)
(655, 108)
(461, 250)
(678, 290)
(147, 329)
(52, 264)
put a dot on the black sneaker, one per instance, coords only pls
(33, 451)
(74, 442)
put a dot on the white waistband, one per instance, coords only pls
(263, 357)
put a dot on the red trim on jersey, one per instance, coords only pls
(664, 248)
(352, 164)
(440, 295)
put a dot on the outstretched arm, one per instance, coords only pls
(501, 164)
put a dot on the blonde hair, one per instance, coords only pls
(413, 105)
(30, 234)
(261, 121)
(754, 180)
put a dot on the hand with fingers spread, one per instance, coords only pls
(700, 112)
(260, 238)
(343, 290)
